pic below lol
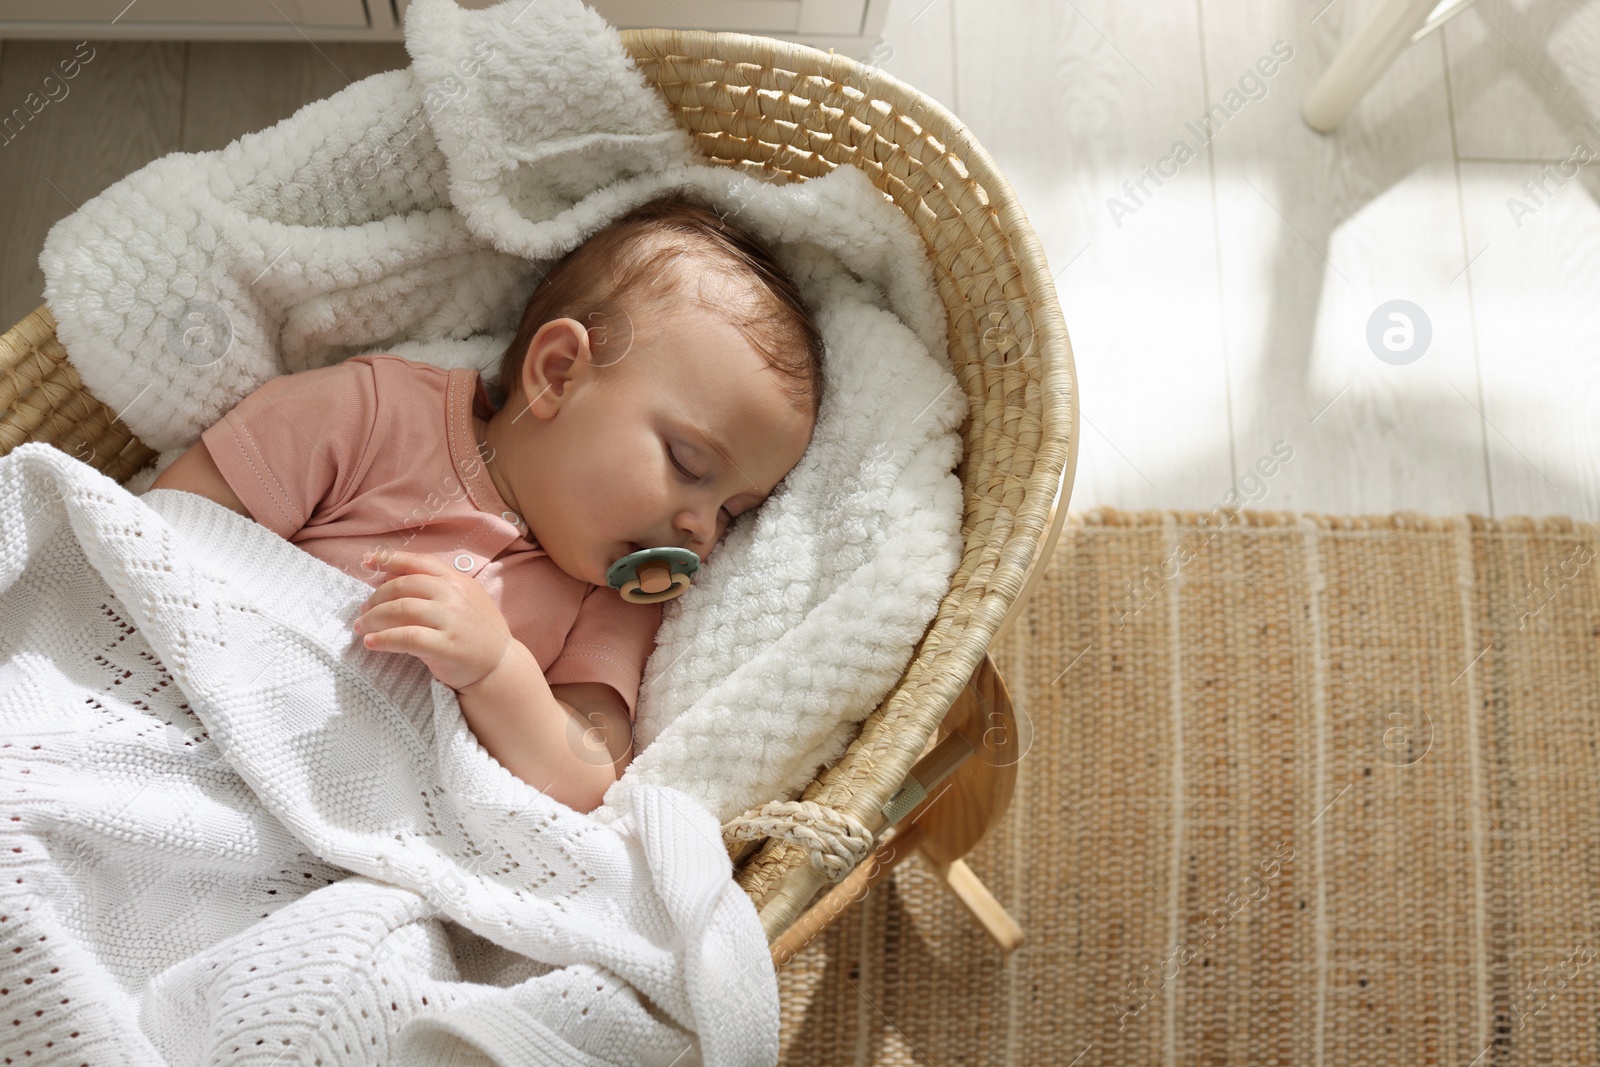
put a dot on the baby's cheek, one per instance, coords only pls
(604, 468)
(632, 483)
(633, 501)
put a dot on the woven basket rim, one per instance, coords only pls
(895, 733)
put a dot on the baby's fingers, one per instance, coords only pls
(416, 586)
(412, 639)
(390, 613)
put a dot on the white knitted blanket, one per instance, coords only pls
(232, 834)
(412, 211)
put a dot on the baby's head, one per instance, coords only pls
(666, 376)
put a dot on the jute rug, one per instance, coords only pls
(1304, 790)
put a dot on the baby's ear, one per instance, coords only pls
(557, 355)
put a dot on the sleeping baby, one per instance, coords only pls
(665, 377)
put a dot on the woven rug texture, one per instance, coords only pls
(1300, 789)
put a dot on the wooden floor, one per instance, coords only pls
(1219, 317)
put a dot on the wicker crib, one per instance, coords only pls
(789, 112)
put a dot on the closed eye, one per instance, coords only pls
(681, 468)
(728, 515)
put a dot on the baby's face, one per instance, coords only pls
(687, 429)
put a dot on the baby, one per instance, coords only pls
(666, 376)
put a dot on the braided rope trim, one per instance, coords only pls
(835, 841)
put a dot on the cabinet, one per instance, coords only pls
(118, 16)
(850, 27)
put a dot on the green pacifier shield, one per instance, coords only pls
(623, 575)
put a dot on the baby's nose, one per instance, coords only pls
(699, 540)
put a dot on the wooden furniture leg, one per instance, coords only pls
(1367, 54)
(959, 788)
(979, 901)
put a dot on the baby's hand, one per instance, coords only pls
(428, 610)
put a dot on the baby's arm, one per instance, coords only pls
(294, 446)
(196, 472)
(570, 741)
(571, 744)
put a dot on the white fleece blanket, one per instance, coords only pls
(234, 835)
(411, 213)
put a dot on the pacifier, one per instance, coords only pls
(652, 575)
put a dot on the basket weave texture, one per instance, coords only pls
(787, 112)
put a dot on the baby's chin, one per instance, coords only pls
(594, 570)
(591, 567)
(601, 562)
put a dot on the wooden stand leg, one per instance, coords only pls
(962, 803)
(954, 820)
(976, 896)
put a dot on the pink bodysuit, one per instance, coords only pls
(379, 451)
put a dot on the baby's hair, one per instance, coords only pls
(638, 261)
